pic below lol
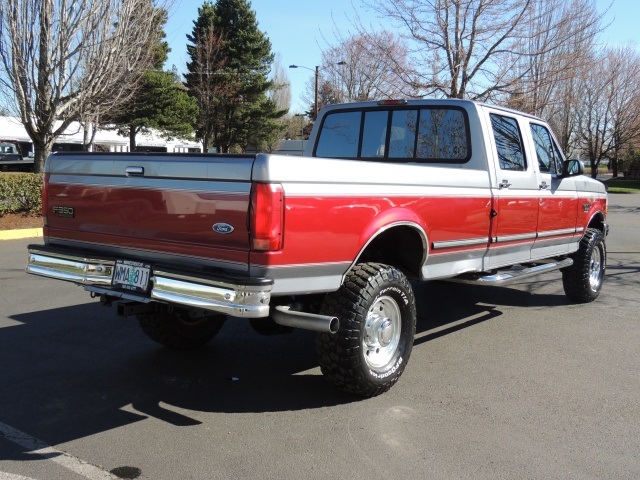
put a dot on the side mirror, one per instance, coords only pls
(572, 168)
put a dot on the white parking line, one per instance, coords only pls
(38, 447)
(11, 476)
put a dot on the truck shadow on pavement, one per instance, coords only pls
(76, 371)
(446, 307)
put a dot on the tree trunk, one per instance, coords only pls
(132, 138)
(42, 146)
(206, 142)
(88, 136)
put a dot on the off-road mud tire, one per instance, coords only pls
(349, 358)
(583, 280)
(178, 330)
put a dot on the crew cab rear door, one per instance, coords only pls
(515, 191)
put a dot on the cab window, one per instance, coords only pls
(340, 135)
(374, 134)
(402, 137)
(549, 160)
(442, 134)
(425, 134)
(508, 143)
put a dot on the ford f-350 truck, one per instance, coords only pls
(387, 193)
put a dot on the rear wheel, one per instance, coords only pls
(377, 313)
(179, 329)
(582, 281)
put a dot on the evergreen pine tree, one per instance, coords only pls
(228, 76)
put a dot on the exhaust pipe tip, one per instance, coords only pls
(334, 325)
(283, 315)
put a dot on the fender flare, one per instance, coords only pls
(387, 220)
(596, 215)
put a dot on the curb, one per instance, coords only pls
(19, 234)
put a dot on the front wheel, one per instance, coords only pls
(582, 281)
(377, 312)
(179, 329)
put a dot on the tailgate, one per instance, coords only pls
(185, 209)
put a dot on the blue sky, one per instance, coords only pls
(300, 29)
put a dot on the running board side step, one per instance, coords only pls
(503, 277)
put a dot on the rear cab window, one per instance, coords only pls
(410, 134)
(340, 135)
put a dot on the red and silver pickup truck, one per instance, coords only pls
(387, 193)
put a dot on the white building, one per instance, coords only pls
(105, 140)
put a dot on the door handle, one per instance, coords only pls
(504, 184)
(544, 186)
(134, 171)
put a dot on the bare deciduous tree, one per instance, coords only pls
(64, 61)
(280, 94)
(280, 91)
(546, 64)
(366, 66)
(626, 102)
(608, 113)
(475, 48)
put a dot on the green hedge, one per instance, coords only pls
(20, 193)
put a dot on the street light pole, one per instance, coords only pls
(315, 117)
(317, 74)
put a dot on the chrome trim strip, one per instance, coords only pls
(460, 243)
(514, 238)
(552, 233)
(420, 230)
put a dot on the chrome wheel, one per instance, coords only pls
(377, 312)
(583, 280)
(382, 330)
(595, 267)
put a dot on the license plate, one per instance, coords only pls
(131, 275)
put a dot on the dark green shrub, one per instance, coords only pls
(632, 169)
(20, 193)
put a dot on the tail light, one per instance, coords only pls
(267, 216)
(45, 196)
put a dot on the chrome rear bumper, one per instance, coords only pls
(248, 299)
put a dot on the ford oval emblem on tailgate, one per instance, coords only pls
(223, 228)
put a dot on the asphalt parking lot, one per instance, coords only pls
(503, 383)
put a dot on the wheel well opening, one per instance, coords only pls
(597, 222)
(401, 247)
